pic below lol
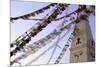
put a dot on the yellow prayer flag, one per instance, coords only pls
(92, 9)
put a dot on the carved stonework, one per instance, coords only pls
(78, 54)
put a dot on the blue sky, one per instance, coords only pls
(20, 26)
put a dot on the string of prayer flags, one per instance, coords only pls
(63, 51)
(49, 37)
(61, 54)
(31, 32)
(76, 11)
(62, 8)
(86, 13)
(81, 17)
(25, 17)
(76, 30)
(55, 33)
(42, 42)
(44, 24)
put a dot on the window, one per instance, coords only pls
(92, 54)
(78, 40)
(92, 42)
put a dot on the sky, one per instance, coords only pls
(20, 26)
